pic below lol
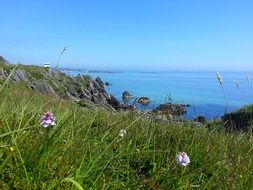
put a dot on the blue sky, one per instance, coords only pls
(130, 34)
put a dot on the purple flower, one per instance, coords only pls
(182, 159)
(47, 119)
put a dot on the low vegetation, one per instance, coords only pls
(93, 148)
(86, 149)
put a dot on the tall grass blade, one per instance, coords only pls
(74, 182)
(8, 78)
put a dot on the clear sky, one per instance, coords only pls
(129, 34)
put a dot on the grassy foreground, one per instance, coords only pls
(85, 151)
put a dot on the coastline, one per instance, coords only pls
(88, 92)
(199, 89)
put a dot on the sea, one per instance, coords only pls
(200, 89)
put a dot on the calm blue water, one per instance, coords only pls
(199, 89)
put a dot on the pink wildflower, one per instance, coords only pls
(182, 159)
(47, 119)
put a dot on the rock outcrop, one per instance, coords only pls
(20, 75)
(240, 120)
(107, 84)
(143, 100)
(126, 95)
(43, 88)
(3, 74)
(200, 119)
(171, 109)
(81, 89)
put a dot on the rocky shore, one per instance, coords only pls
(88, 92)
(81, 89)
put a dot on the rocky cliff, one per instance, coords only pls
(81, 89)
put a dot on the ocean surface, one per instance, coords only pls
(199, 89)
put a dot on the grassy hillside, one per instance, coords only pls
(85, 151)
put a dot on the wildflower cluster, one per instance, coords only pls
(47, 119)
(182, 159)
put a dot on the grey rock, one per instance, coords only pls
(43, 88)
(71, 97)
(144, 100)
(3, 74)
(126, 95)
(107, 84)
(171, 109)
(100, 82)
(87, 92)
(20, 75)
(96, 85)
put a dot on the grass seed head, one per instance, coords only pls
(219, 78)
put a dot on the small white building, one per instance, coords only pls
(47, 65)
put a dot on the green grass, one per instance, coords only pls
(6, 67)
(35, 71)
(84, 150)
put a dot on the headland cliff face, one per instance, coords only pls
(81, 89)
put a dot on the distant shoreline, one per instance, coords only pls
(149, 72)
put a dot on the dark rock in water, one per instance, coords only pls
(107, 84)
(171, 109)
(126, 95)
(144, 100)
(239, 120)
(200, 119)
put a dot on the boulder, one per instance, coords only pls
(20, 75)
(143, 100)
(100, 83)
(96, 86)
(200, 119)
(126, 95)
(171, 109)
(107, 84)
(43, 88)
(73, 90)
